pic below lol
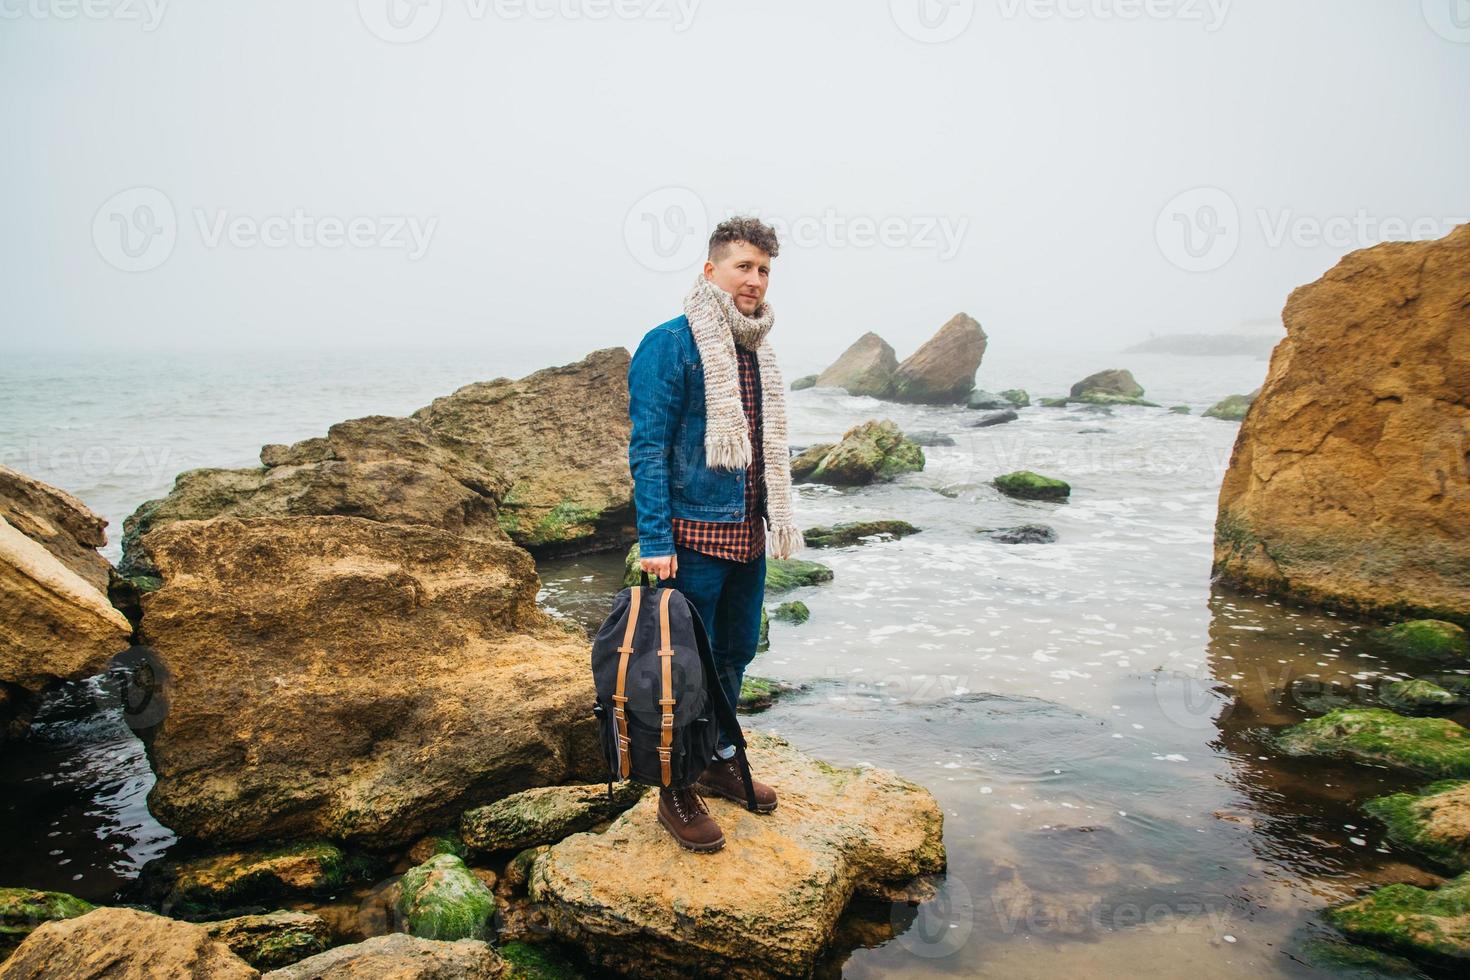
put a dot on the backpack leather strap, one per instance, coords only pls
(620, 718)
(666, 703)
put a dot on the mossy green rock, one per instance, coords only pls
(1434, 746)
(1425, 924)
(1032, 486)
(537, 961)
(1435, 821)
(1231, 408)
(1179, 409)
(785, 574)
(1419, 697)
(1054, 403)
(794, 611)
(1114, 381)
(872, 452)
(1108, 398)
(759, 693)
(805, 463)
(763, 636)
(853, 532)
(1017, 397)
(1424, 639)
(544, 815)
(23, 909)
(443, 899)
(274, 939)
(1342, 958)
(804, 382)
(221, 881)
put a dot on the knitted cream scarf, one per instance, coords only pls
(718, 324)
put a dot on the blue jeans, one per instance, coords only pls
(728, 595)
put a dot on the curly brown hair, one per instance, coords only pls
(743, 229)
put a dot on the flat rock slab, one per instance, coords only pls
(401, 957)
(767, 903)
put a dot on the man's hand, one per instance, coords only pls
(664, 567)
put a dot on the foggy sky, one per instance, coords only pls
(1036, 170)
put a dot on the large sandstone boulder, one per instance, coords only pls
(123, 944)
(59, 522)
(767, 903)
(942, 371)
(560, 436)
(1349, 484)
(54, 625)
(345, 678)
(383, 468)
(865, 368)
(399, 956)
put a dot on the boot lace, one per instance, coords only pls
(687, 803)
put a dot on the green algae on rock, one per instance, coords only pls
(544, 815)
(1435, 821)
(273, 939)
(1426, 924)
(1419, 697)
(759, 693)
(1231, 408)
(875, 451)
(785, 574)
(794, 611)
(1434, 746)
(537, 961)
(1017, 397)
(1032, 486)
(853, 532)
(443, 899)
(1424, 639)
(23, 909)
(222, 881)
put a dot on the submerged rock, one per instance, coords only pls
(1434, 746)
(794, 611)
(1017, 397)
(274, 939)
(1419, 696)
(1179, 409)
(767, 904)
(853, 532)
(994, 418)
(378, 679)
(1023, 534)
(1435, 821)
(544, 815)
(942, 370)
(401, 957)
(123, 944)
(442, 899)
(1032, 486)
(865, 368)
(872, 452)
(1424, 924)
(930, 437)
(759, 693)
(1424, 639)
(226, 880)
(979, 398)
(1345, 487)
(804, 382)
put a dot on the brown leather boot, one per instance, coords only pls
(722, 778)
(685, 816)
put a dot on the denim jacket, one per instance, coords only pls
(666, 448)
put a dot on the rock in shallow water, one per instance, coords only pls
(764, 905)
(1434, 746)
(124, 944)
(401, 957)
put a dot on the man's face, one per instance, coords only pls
(744, 272)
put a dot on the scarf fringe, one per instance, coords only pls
(785, 540)
(723, 451)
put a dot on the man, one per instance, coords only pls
(711, 469)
